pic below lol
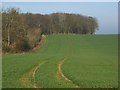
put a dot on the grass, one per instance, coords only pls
(91, 62)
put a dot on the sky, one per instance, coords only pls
(59, 0)
(106, 13)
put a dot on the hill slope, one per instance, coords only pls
(65, 61)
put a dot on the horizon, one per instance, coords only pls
(106, 13)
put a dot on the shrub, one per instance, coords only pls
(22, 45)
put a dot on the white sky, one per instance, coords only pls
(59, 0)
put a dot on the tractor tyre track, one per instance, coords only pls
(28, 79)
(60, 72)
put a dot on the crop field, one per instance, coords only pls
(65, 61)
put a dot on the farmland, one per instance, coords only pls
(65, 61)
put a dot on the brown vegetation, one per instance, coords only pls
(22, 31)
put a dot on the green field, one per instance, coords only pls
(65, 61)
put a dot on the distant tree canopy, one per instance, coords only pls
(56, 23)
(22, 31)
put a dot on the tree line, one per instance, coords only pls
(22, 31)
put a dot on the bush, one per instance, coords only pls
(34, 37)
(19, 46)
(22, 45)
(5, 48)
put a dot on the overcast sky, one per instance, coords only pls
(105, 12)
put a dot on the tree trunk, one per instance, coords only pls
(9, 26)
(8, 37)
